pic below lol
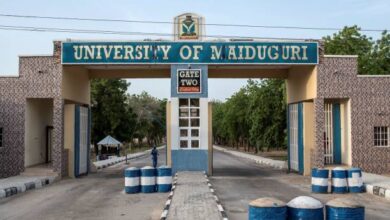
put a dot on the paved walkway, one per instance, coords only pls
(192, 199)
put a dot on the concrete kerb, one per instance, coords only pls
(377, 191)
(164, 214)
(257, 159)
(219, 205)
(109, 162)
(21, 187)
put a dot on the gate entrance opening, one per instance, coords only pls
(322, 93)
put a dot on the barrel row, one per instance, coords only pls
(343, 180)
(148, 179)
(305, 208)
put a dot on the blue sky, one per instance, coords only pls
(373, 14)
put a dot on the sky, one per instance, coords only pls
(369, 14)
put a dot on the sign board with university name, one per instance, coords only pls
(189, 81)
(190, 53)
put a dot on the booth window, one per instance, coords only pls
(1, 137)
(381, 136)
(189, 123)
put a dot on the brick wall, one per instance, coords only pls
(370, 106)
(39, 77)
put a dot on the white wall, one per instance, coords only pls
(39, 114)
(204, 120)
(175, 123)
(76, 84)
(345, 117)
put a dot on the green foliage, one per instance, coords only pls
(110, 116)
(380, 56)
(125, 117)
(254, 117)
(373, 56)
(151, 114)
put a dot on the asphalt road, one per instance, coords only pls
(96, 196)
(238, 181)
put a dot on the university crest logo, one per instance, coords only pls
(188, 27)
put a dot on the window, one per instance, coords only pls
(1, 137)
(189, 123)
(381, 136)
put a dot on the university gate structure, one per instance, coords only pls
(335, 116)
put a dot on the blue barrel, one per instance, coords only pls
(132, 180)
(267, 208)
(355, 180)
(319, 180)
(344, 209)
(148, 179)
(305, 208)
(339, 180)
(164, 179)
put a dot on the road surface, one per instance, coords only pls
(238, 181)
(96, 196)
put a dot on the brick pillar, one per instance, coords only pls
(57, 51)
(317, 155)
(58, 158)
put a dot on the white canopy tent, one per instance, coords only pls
(109, 142)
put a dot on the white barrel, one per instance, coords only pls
(355, 180)
(305, 208)
(339, 180)
(319, 180)
(148, 179)
(132, 180)
(164, 179)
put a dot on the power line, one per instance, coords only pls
(167, 22)
(91, 31)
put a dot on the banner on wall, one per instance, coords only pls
(189, 81)
(189, 52)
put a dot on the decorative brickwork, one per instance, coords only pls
(39, 77)
(317, 157)
(370, 106)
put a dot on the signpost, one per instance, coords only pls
(189, 81)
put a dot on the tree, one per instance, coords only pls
(380, 62)
(373, 56)
(267, 114)
(255, 116)
(110, 115)
(150, 120)
(349, 41)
